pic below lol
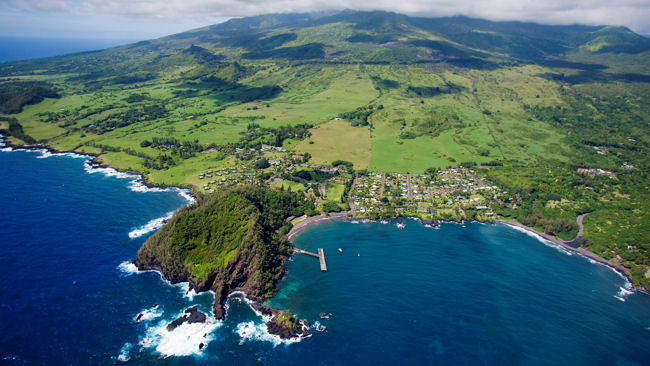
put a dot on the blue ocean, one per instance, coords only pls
(21, 48)
(453, 295)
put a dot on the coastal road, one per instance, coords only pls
(581, 226)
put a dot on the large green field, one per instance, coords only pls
(529, 106)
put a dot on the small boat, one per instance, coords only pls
(401, 225)
(340, 250)
(324, 316)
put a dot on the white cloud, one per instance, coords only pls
(35, 5)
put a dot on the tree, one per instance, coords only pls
(331, 207)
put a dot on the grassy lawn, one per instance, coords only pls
(337, 140)
(334, 192)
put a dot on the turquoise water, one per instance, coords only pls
(472, 294)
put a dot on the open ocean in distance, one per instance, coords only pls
(456, 295)
(21, 48)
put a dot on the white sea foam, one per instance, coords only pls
(187, 292)
(251, 331)
(628, 285)
(185, 193)
(152, 225)
(156, 224)
(128, 268)
(124, 355)
(136, 183)
(184, 340)
(148, 314)
(48, 154)
(318, 326)
(624, 291)
(543, 240)
(241, 296)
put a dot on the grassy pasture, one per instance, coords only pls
(337, 140)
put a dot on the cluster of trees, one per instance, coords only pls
(384, 83)
(162, 162)
(432, 91)
(256, 135)
(122, 119)
(15, 95)
(183, 149)
(435, 123)
(361, 115)
(331, 207)
(306, 176)
(348, 165)
(550, 226)
(16, 130)
(282, 204)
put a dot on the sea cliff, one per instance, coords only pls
(227, 242)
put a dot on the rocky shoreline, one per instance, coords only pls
(219, 311)
(94, 161)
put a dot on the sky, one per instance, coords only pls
(146, 19)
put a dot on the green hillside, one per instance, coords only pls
(526, 105)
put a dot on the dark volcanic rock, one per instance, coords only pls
(191, 315)
(283, 332)
(288, 329)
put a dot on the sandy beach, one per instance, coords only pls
(312, 220)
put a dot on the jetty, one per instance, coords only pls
(320, 256)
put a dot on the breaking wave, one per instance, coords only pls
(124, 355)
(148, 314)
(624, 291)
(152, 225)
(185, 340)
(544, 241)
(252, 331)
(128, 268)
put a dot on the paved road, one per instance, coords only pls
(581, 227)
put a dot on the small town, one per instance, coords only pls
(451, 194)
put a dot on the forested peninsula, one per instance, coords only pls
(226, 242)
